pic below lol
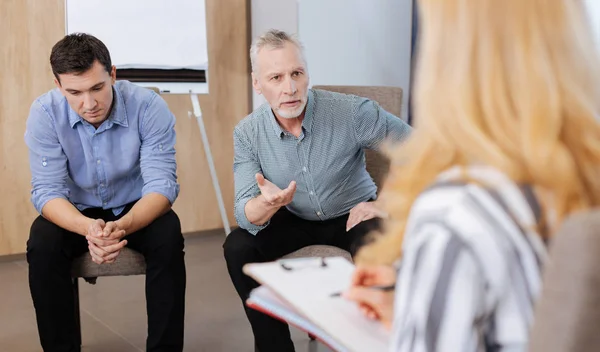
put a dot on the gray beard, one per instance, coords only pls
(294, 116)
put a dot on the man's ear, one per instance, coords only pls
(113, 74)
(57, 83)
(256, 84)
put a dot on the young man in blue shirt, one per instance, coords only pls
(102, 158)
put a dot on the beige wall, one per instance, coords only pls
(29, 28)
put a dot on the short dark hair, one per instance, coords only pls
(76, 53)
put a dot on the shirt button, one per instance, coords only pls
(311, 193)
(98, 161)
(44, 163)
(102, 185)
(304, 169)
(319, 213)
(104, 203)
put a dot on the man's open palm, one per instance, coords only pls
(274, 195)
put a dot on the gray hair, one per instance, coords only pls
(273, 39)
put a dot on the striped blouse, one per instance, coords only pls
(471, 268)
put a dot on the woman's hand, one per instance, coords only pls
(375, 303)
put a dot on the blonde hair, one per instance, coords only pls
(273, 39)
(514, 84)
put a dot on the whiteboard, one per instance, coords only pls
(593, 11)
(162, 34)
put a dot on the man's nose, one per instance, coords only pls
(89, 101)
(290, 86)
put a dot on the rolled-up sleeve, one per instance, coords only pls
(245, 166)
(157, 152)
(373, 125)
(47, 161)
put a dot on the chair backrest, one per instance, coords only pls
(567, 313)
(389, 98)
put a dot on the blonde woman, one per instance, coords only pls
(506, 146)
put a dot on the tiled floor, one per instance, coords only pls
(113, 311)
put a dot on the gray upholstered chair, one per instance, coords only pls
(389, 98)
(567, 313)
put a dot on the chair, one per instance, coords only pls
(567, 314)
(129, 262)
(390, 98)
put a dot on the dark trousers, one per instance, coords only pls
(50, 252)
(285, 234)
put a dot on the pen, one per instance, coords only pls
(384, 288)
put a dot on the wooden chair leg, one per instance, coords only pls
(77, 313)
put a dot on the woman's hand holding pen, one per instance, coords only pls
(370, 289)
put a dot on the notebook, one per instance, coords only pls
(299, 291)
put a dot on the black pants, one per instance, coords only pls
(285, 234)
(50, 251)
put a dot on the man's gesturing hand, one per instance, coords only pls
(273, 195)
(362, 212)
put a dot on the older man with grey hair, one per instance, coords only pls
(299, 168)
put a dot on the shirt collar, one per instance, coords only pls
(118, 114)
(306, 123)
(308, 116)
(73, 117)
(276, 128)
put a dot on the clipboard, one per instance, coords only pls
(300, 292)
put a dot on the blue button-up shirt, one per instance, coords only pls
(327, 160)
(130, 155)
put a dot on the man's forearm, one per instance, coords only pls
(146, 210)
(64, 214)
(258, 211)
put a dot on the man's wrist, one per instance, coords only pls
(265, 204)
(83, 224)
(124, 223)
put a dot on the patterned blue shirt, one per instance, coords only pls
(327, 160)
(130, 155)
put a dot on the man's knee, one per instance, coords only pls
(239, 247)
(169, 222)
(45, 237)
(368, 226)
(165, 232)
(364, 233)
